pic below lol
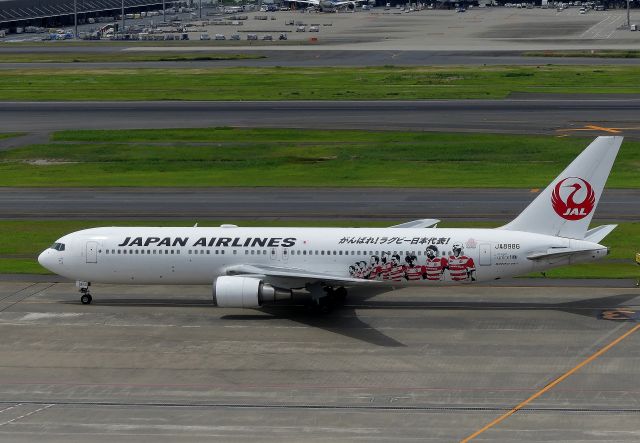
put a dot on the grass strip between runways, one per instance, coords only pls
(293, 158)
(325, 83)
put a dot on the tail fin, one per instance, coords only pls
(565, 208)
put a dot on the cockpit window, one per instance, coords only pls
(58, 246)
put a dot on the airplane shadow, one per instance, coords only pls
(343, 320)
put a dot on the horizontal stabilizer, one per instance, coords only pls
(417, 224)
(558, 253)
(596, 234)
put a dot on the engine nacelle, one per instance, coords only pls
(246, 292)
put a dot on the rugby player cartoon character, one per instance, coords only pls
(461, 267)
(375, 269)
(352, 271)
(361, 269)
(385, 266)
(412, 270)
(397, 268)
(436, 265)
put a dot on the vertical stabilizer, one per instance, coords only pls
(565, 208)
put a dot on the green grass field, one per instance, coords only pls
(597, 53)
(120, 57)
(25, 239)
(285, 157)
(4, 135)
(274, 83)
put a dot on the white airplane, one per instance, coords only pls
(253, 267)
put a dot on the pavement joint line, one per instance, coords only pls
(17, 292)
(47, 406)
(314, 406)
(551, 385)
(25, 297)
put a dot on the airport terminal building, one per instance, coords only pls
(53, 13)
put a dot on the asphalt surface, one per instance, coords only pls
(282, 203)
(157, 363)
(305, 58)
(534, 114)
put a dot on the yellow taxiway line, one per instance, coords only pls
(551, 385)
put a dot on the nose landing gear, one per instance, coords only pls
(85, 296)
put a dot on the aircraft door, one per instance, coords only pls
(285, 254)
(485, 254)
(273, 254)
(92, 252)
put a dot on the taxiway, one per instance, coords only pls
(283, 203)
(160, 363)
(529, 114)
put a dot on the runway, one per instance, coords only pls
(161, 364)
(535, 114)
(201, 204)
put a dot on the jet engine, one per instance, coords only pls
(246, 292)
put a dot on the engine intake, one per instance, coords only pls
(246, 292)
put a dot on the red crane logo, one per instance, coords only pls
(567, 207)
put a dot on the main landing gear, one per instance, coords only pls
(325, 299)
(85, 296)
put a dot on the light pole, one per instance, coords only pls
(164, 12)
(75, 19)
(122, 18)
(200, 9)
(628, 17)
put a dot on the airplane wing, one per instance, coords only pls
(417, 224)
(295, 274)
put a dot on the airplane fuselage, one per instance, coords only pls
(386, 256)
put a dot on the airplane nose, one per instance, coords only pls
(45, 259)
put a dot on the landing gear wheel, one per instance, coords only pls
(86, 299)
(340, 295)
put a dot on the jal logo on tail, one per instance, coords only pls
(573, 198)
